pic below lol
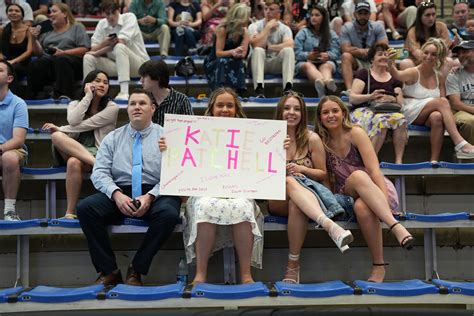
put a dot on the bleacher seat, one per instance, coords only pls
(230, 292)
(68, 223)
(437, 218)
(146, 293)
(21, 224)
(465, 288)
(7, 293)
(46, 294)
(403, 288)
(326, 289)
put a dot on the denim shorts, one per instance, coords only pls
(347, 203)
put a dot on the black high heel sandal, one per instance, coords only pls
(378, 265)
(407, 241)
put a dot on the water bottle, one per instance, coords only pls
(182, 272)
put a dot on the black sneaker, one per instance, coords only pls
(259, 93)
(288, 87)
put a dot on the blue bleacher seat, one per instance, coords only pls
(466, 288)
(69, 223)
(227, 292)
(403, 288)
(276, 219)
(326, 289)
(146, 293)
(134, 222)
(42, 171)
(406, 166)
(46, 294)
(41, 102)
(4, 294)
(456, 166)
(420, 128)
(438, 218)
(20, 224)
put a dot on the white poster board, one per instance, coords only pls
(223, 157)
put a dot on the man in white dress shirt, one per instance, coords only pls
(117, 47)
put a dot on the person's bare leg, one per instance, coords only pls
(205, 239)
(243, 242)
(311, 72)
(72, 148)
(346, 69)
(369, 225)
(378, 140)
(74, 174)
(297, 228)
(10, 174)
(399, 136)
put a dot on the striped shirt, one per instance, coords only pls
(175, 103)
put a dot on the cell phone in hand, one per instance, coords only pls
(136, 203)
(112, 35)
(393, 94)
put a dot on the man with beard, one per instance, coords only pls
(460, 90)
(356, 39)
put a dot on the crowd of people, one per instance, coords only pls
(332, 172)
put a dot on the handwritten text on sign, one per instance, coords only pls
(223, 157)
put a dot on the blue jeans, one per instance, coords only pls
(190, 36)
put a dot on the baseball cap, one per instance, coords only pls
(464, 45)
(362, 6)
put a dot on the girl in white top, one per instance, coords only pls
(425, 102)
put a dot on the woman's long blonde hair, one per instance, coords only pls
(64, 8)
(441, 49)
(235, 20)
(319, 127)
(302, 132)
(239, 111)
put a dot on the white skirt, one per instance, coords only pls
(224, 213)
(413, 107)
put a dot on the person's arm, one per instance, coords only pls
(399, 92)
(443, 33)
(42, 9)
(186, 108)
(413, 46)
(196, 24)
(300, 54)
(259, 39)
(356, 96)
(171, 21)
(442, 85)
(334, 50)
(318, 158)
(457, 104)
(37, 48)
(27, 53)
(409, 75)
(354, 51)
(129, 28)
(16, 142)
(287, 41)
(369, 157)
(103, 118)
(453, 91)
(77, 51)
(208, 11)
(220, 44)
(101, 174)
(101, 43)
(161, 16)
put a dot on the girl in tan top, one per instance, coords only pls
(90, 120)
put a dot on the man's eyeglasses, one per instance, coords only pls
(460, 1)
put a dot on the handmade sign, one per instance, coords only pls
(223, 157)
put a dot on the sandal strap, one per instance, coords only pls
(391, 227)
(460, 145)
(380, 264)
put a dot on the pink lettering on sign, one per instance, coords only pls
(190, 135)
(233, 159)
(270, 170)
(188, 155)
(232, 138)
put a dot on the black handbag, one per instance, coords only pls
(382, 107)
(185, 68)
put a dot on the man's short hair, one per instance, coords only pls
(10, 69)
(142, 91)
(157, 70)
(270, 2)
(109, 6)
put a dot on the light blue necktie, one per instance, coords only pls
(137, 166)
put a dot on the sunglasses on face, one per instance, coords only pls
(427, 4)
(461, 1)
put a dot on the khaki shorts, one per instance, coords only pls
(362, 64)
(22, 154)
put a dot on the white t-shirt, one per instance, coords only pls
(348, 7)
(26, 7)
(462, 84)
(276, 36)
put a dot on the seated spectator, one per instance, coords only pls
(213, 12)
(406, 17)
(16, 43)
(76, 144)
(127, 175)
(469, 33)
(27, 11)
(336, 12)
(306, 197)
(117, 47)
(155, 80)
(152, 19)
(317, 51)
(354, 170)
(214, 223)
(460, 90)
(425, 99)
(185, 19)
(356, 38)
(224, 66)
(60, 51)
(460, 14)
(389, 10)
(425, 27)
(40, 10)
(272, 43)
(381, 82)
(295, 14)
(13, 151)
(349, 8)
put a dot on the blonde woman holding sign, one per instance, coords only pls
(215, 223)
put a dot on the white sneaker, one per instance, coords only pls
(320, 89)
(122, 96)
(12, 216)
(331, 84)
